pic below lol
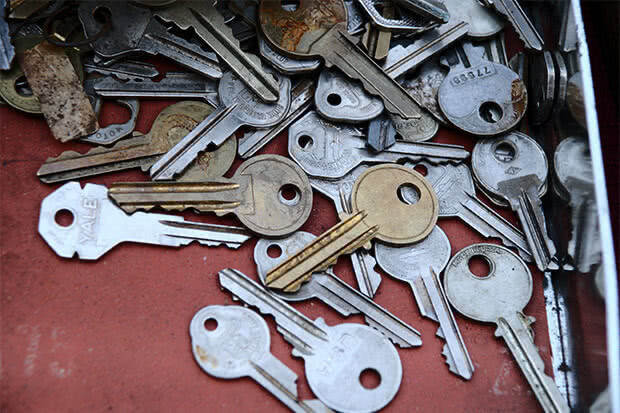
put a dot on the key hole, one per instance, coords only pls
(408, 194)
(370, 378)
(22, 87)
(334, 99)
(64, 218)
(480, 266)
(210, 324)
(491, 112)
(290, 194)
(505, 151)
(102, 14)
(289, 5)
(305, 142)
(274, 251)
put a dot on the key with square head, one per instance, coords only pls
(239, 106)
(514, 168)
(327, 150)
(479, 96)
(419, 265)
(375, 191)
(500, 298)
(269, 194)
(319, 29)
(143, 150)
(96, 225)
(330, 289)
(335, 357)
(229, 342)
(519, 20)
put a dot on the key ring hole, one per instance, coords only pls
(305, 142)
(22, 87)
(480, 266)
(505, 151)
(408, 193)
(334, 99)
(290, 194)
(64, 218)
(274, 251)
(491, 112)
(370, 378)
(210, 324)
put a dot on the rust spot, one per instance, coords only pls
(204, 357)
(519, 96)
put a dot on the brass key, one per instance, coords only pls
(379, 210)
(269, 194)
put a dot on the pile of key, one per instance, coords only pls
(360, 85)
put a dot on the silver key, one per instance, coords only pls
(116, 131)
(519, 20)
(123, 70)
(334, 292)
(408, 22)
(381, 133)
(239, 106)
(542, 86)
(494, 49)
(500, 298)
(514, 167)
(334, 356)
(355, 17)
(425, 87)
(420, 265)
(323, 149)
(482, 21)
(285, 64)
(97, 225)
(238, 346)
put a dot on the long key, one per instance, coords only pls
(327, 150)
(124, 70)
(269, 194)
(519, 20)
(499, 298)
(97, 225)
(419, 265)
(515, 168)
(332, 42)
(334, 356)
(330, 289)
(209, 25)
(238, 346)
(239, 106)
(374, 192)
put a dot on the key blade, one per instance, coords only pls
(180, 232)
(368, 280)
(519, 20)
(427, 8)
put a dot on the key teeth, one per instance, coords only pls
(386, 333)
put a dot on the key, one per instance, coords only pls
(268, 193)
(238, 346)
(327, 150)
(500, 298)
(116, 131)
(430, 9)
(140, 151)
(419, 265)
(135, 30)
(209, 26)
(374, 192)
(494, 49)
(330, 40)
(419, 129)
(519, 20)
(410, 23)
(425, 88)
(561, 83)
(482, 21)
(567, 39)
(7, 51)
(285, 64)
(123, 70)
(334, 292)
(340, 99)
(514, 167)
(542, 86)
(97, 225)
(239, 106)
(481, 97)
(301, 101)
(334, 356)
(381, 133)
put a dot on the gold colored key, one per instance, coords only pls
(380, 210)
(269, 194)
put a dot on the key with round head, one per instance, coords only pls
(375, 191)
(319, 29)
(514, 168)
(330, 289)
(500, 298)
(229, 342)
(116, 131)
(334, 357)
(419, 265)
(239, 106)
(482, 22)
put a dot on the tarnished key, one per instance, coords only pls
(519, 20)
(419, 265)
(269, 194)
(85, 221)
(514, 167)
(500, 298)
(239, 106)
(330, 40)
(334, 292)
(335, 357)
(327, 150)
(425, 88)
(238, 346)
(375, 191)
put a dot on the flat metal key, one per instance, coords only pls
(334, 356)
(95, 225)
(238, 346)
(296, 34)
(239, 106)
(334, 292)
(419, 265)
(500, 298)
(328, 150)
(123, 70)
(519, 20)
(269, 194)
(514, 168)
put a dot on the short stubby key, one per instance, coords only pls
(334, 356)
(419, 265)
(238, 346)
(500, 298)
(97, 225)
(334, 292)
(269, 194)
